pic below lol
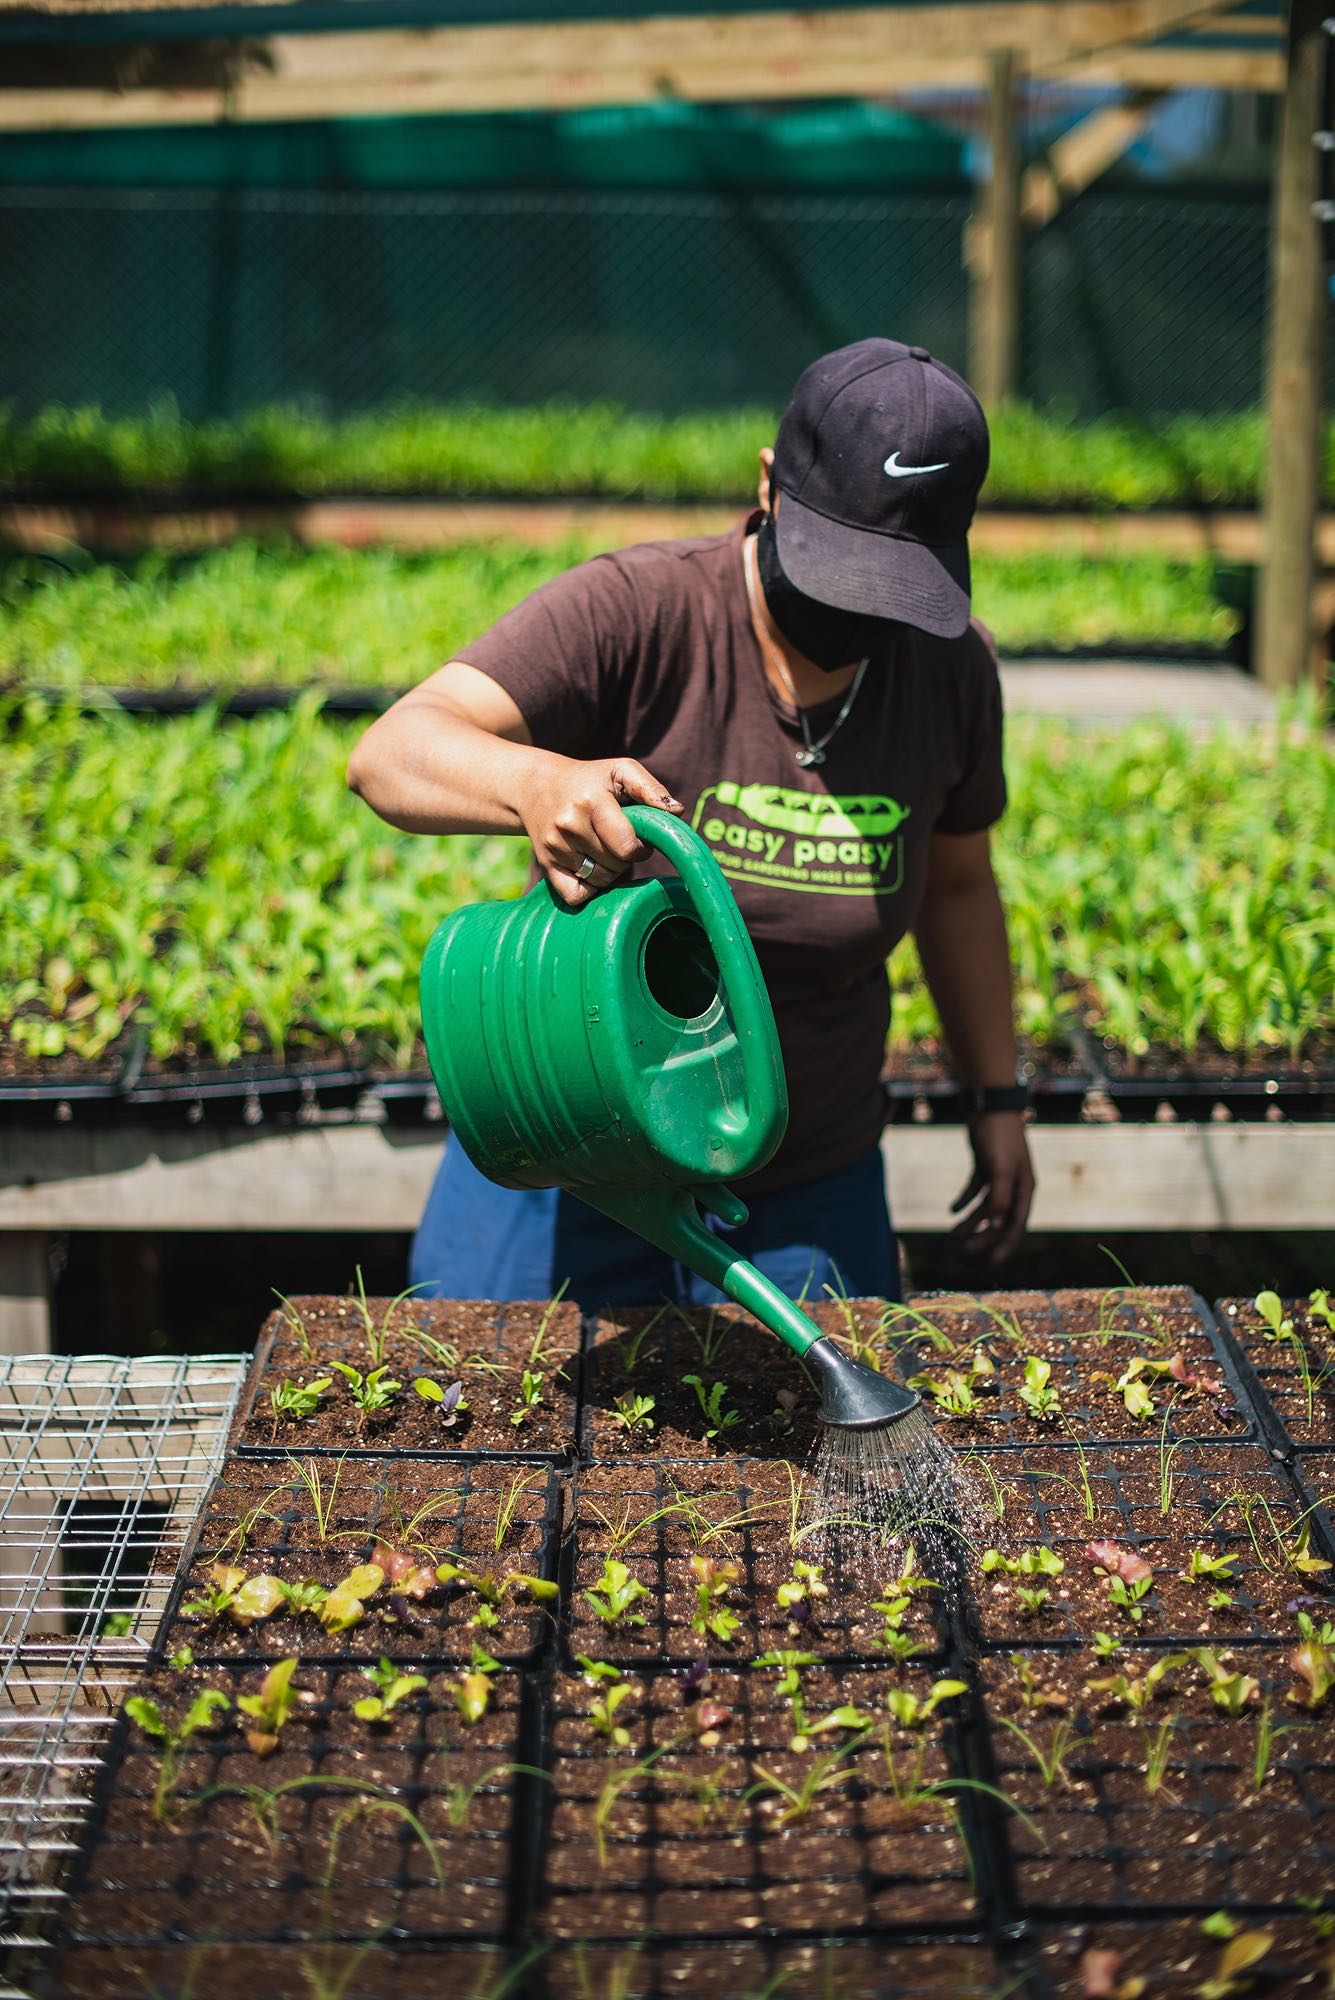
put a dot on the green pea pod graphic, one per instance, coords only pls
(818, 815)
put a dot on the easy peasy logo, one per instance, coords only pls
(815, 841)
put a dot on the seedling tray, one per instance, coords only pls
(1041, 1494)
(919, 1968)
(1205, 1840)
(1088, 1339)
(369, 1504)
(1177, 1957)
(388, 1969)
(692, 1849)
(752, 1504)
(212, 1875)
(491, 1345)
(1274, 1371)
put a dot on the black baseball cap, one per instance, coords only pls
(880, 457)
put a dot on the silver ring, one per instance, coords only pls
(585, 869)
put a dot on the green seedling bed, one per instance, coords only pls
(1290, 1376)
(495, 1521)
(485, 1347)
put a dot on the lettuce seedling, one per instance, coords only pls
(713, 1580)
(712, 1405)
(1032, 1597)
(208, 1703)
(952, 1393)
(345, 1605)
(450, 1401)
(1128, 1597)
(1200, 1563)
(492, 1590)
(1041, 1400)
(296, 1399)
(272, 1708)
(612, 1597)
(1128, 1691)
(603, 1712)
(1029, 1562)
(1270, 1307)
(245, 1600)
(634, 1413)
(393, 1687)
(911, 1711)
(472, 1693)
(799, 1593)
(1314, 1661)
(530, 1396)
(371, 1393)
(1133, 1389)
(1229, 1691)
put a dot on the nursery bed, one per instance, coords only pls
(1291, 1380)
(642, 1849)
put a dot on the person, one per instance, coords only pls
(810, 693)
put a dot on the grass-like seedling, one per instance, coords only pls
(537, 1351)
(1136, 1692)
(294, 1323)
(508, 1503)
(1267, 1729)
(272, 1708)
(1051, 1758)
(628, 1345)
(618, 1783)
(203, 1711)
(792, 1802)
(713, 1405)
(614, 1596)
(323, 1499)
(625, 1526)
(378, 1331)
(1158, 1743)
(999, 1494)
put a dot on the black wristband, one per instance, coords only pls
(978, 1099)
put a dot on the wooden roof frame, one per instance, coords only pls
(701, 57)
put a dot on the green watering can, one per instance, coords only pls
(626, 1052)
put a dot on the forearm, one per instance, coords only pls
(426, 769)
(961, 936)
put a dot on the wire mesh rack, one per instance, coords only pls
(104, 1463)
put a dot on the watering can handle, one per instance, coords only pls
(740, 974)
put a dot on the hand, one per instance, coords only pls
(1001, 1187)
(572, 812)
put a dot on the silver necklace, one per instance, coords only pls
(811, 752)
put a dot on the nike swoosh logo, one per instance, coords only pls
(898, 471)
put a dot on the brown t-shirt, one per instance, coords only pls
(650, 652)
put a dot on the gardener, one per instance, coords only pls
(809, 692)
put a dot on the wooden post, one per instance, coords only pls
(994, 249)
(1294, 364)
(25, 1292)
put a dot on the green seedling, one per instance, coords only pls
(345, 1605)
(1270, 1308)
(1033, 1598)
(1033, 1696)
(294, 1323)
(472, 1690)
(711, 1616)
(626, 1526)
(450, 1400)
(634, 1413)
(323, 1499)
(617, 1784)
(537, 1351)
(245, 1600)
(1267, 1729)
(297, 1400)
(801, 1590)
(302, 1598)
(789, 1803)
(604, 1706)
(1052, 1758)
(1313, 1661)
(613, 1597)
(1036, 1393)
(371, 1393)
(1200, 1563)
(1158, 1743)
(491, 1591)
(1029, 1562)
(392, 1688)
(1105, 1645)
(1129, 1597)
(788, 1664)
(911, 1711)
(207, 1704)
(1293, 1549)
(377, 1332)
(1136, 1693)
(272, 1708)
(1231, 1977)
(628, 1345)
(1320, 1307)
(507, 1505)
(1133, 1389)
(530, 1397)
(182, 1659)
(708, 1339)
(1230, 1691)
(953, 1393)
(911, 1794)
(713, 1405)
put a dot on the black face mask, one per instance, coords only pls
(821, 633)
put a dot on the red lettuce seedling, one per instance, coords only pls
(1124, 1563)
(272, 1707)
(393, 1687)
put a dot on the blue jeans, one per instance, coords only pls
(480, 1241)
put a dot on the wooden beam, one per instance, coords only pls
(1079, 156)
(25, 1293)
(993, 248)
(1227, 536)
(1175, 69)
(1295, 364)
(702, 57)
(368, 1177)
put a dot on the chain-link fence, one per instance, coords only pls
(228, 299)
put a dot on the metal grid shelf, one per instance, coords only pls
(104, 1464)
